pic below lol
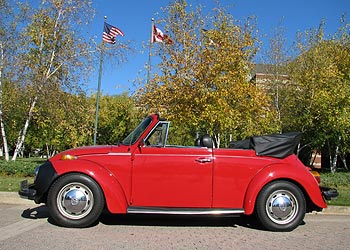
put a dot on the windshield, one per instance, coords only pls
(138, 131)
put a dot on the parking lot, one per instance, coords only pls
(25, 226)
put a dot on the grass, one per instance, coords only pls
(11, 173)
(11, 183)
(340, 181)
(343, 199)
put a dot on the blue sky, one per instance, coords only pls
(133, 17)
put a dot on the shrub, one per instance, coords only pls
(338, 179)
(22, 167)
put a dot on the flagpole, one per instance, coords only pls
(99, 87)
(150, 51)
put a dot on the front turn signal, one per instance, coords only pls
(68, 157)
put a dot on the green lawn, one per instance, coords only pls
(12, 172)
(11, 183)
(340, 181)
(343, 199)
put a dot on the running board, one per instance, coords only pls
(184, 211)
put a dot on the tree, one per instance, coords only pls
(44, 63)
(6, 51)
(319, 102)
(202, 78)
(3, 7)
(52, 47)
(277, 80)
(70, 125)
(117, 115)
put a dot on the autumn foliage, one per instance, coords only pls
(202, 80)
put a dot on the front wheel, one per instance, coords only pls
(75, 200)
(281, 206)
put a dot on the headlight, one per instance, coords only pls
(36, 171)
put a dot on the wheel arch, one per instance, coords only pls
(276, 172)
(114, 195)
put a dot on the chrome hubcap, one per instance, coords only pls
(75, 201)
(282, 207)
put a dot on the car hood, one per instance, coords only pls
(91, 150)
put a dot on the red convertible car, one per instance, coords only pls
(143, 174)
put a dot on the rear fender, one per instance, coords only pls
(298, 175)
(114, 194)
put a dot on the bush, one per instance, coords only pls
(338, 179)
(22, 167)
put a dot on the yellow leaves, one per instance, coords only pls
(205, 84)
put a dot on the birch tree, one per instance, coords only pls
(3, 8)
(277, 80)
(53, 49)
(8, 51)
(2, 126)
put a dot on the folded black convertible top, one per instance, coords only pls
(276, 145)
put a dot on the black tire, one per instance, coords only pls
(280, 206)
(75, 200)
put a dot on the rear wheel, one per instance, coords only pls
(75, 200)
(280, 206)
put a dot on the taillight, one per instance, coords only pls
(317, 176)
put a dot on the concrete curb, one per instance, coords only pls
(13, 198)
(341, 210)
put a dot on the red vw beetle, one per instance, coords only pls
(145, 175)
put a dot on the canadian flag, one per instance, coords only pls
(159, 37)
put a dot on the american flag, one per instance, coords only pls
(110, 33)
(159, 37)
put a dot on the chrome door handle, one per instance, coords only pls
(204, 160)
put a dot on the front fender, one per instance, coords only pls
(115, 197)
(45, 177)
(296, 173)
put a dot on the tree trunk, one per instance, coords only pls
(217, 140)
(334, 160)
(4, 139)
(23, 133)
(2, 126)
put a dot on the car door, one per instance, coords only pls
(172, 176)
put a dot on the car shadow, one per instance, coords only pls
(178, 220)
(41, 212)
